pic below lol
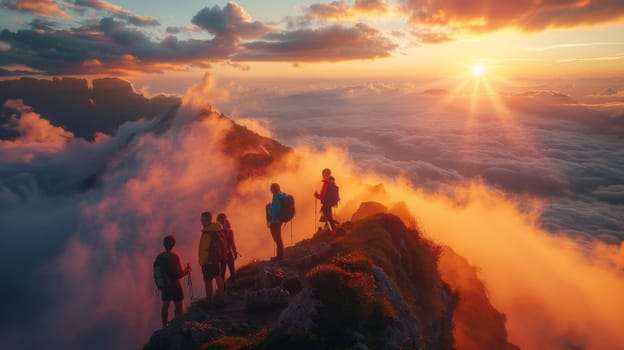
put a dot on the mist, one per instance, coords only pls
(84, 220)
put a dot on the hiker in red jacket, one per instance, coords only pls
(171, 289)
(329, 198)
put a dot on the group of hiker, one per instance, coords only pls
(217, 249)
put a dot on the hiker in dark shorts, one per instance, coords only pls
(172, 290)
(326, 202)
(232, 253)
(210, 257)
(274, 221)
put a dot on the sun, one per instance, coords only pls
(478, 69)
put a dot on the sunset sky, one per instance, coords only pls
(499, 125)
(159, 43)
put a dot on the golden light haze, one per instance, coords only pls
(552, 289)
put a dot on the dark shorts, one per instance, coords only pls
(210, 271)
(172, 293)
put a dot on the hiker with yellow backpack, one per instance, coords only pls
(211, 255)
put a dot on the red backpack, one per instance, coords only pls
(217, 248)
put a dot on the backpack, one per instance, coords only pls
(161, 272)
(217, 247)
(331, 195)
(287, 210)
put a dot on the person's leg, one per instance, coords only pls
(222, 268)
(276, 232)
(230, 264)
(164, 313)
(329, 217)
(207, 281)
(220, 287)
(178, 308)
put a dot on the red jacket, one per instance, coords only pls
(325, 181)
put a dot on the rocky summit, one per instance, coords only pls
(375, 284)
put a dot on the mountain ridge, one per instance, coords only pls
(374, 285)
(73, 105)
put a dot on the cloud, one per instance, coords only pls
(487, 16)
(120, 45)
(612, 193)
(546, 145)
(43, 24)
(102, 6)
(201, 95)
(43, 8)
(343, 11)
(325, 44)
(429, 36)
(36, 135)
(117, 48)
(90, 245)
(143, 21)
(229, 24)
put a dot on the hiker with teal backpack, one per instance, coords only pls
(211, 255)
(329, 198)
(279, 211)
(167, 274)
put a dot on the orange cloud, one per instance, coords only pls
(103, 5)
(343, 11)
(486, 16)
(429, 36)
(43, 8)
(202, 94)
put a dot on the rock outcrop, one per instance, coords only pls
(71, 104)
(377, 286)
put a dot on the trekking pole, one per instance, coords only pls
(315, 215)
(189, 283)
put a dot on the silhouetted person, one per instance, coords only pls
(231, 253)
(209, 258)
(172, 291)
(328, 198)
(274, 221)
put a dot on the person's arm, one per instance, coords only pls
(231, 240)
(276, 205)
(177, 267)
(323, 190)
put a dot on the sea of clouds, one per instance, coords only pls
(532, 197)
(533, 143)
